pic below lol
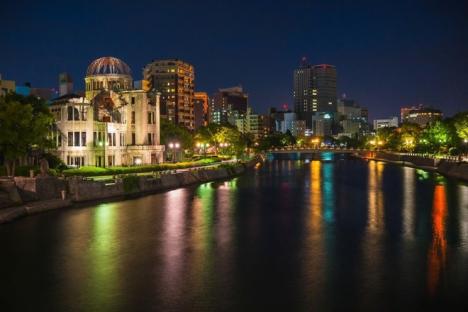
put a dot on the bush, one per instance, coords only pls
(54, 162)
(22, 171)
(90, 171)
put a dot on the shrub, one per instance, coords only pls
(90, 171)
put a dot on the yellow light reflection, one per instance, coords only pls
(315, 264)
(438, 250)
(408, 199)
(375, 197)
(315, 195)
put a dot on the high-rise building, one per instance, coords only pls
(420, 115)
(175, 79)
(65, 84)
(314, 90)
(6, 86)
(201, 109)
(228, 105)
(322, 124)
(353, 118)
(383, 123)
(252, 123)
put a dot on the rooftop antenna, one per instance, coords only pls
(304, 61)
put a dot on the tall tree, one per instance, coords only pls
(23, 126)
(461, 125)
(171, 132)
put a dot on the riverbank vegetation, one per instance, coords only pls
(441, 137)
(25, 125)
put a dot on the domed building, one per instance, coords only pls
(113, 124)
(107, 73)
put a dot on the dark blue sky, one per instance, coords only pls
(388, 53)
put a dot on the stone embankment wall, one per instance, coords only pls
(451, 169)
(80, 189)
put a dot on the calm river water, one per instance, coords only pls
(330, 234)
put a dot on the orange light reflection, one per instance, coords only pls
(438, 250)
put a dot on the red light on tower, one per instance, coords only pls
(285, 106)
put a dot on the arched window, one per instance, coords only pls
(70, 113)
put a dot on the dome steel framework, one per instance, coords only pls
(108, 66)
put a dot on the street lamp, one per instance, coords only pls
(173, 146)
(203, 146)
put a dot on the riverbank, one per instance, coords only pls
(79, 190)
(451, 169)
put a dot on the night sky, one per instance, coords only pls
(388, 53)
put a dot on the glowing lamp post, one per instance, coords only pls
(203, 147)
(173, 146)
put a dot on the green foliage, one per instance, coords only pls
(54, 161)
(350, 142)
(25, 123)
(461, 125)
(90, 171)
(436, 137)
(21, 171)
(171, 132)
(276, 139)
(215, 135)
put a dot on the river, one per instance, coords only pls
(294, 235)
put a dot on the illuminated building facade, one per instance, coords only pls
(386, 123)
(6, 86)
(322, 124)
(112, 124)
(251, 123)
(175, 80)
(201, 109)
(353, 118)
(314, 90)
(420, 115)
(229, 104)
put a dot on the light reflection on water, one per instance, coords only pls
(438, 250)
(294, 235)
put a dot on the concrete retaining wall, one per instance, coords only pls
(448, 168)
(9, 195)
(39, 188)
(80, 189)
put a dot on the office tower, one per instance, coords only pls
(353, 118)
(228, 104)
(314, 90)
(201, 109)
(420, 115)
(322, 124)
(384, 123)
(175, 80)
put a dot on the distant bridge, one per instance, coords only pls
(294, 153)
(289, 150)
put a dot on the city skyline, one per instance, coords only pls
(409, 59)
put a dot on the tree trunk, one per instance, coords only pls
(10, 167)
